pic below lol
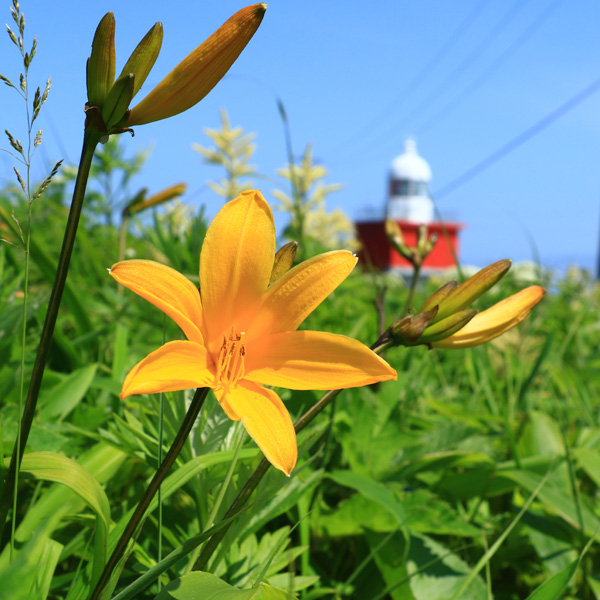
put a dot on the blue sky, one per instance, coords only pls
(463, 77)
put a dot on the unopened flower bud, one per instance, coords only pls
(144, 56)
(467, 292)
(197, 74)
(446, 327)
(138, 205)
(101, 63)
(284, 258)
(396, 239)
(408, 330)
(437, 297)
(494, 321)
(117, 102)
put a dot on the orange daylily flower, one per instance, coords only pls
(494, 321)
(242, 331)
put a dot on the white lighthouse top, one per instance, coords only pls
(409, 198)
(410, 166)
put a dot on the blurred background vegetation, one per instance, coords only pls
(402, 489)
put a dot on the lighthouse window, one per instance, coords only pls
(409, 188)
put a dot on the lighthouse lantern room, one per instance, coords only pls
(409, 205)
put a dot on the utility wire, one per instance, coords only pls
(423, 74)
(519, 140)
(446, 84)
(466, 63)
(490, 70)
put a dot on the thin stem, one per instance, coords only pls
(159, 476)
(263, 467)
(296, 192)
(22, 376)
(413, 287)
(90, 141)
(23, 343)
(123, 239)
(161, 418)
(15, 498)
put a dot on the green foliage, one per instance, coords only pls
(233, 151)
(306, 205)
(475, 475)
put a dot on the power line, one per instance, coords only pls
(490, 70)
(423, 74)
(472, 57)
(519, 140)
(487, 41)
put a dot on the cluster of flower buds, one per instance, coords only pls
(446, 321)
(414, 255)
(107, 108)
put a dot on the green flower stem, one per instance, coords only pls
(413, 287)
(263, 467)
(90, 141)
(123, 240)
(159, 476)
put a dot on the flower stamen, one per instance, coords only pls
(230, 366)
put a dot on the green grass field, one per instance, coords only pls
(475, 475)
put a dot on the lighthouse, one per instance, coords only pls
(409, 204)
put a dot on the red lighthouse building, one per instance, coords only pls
(409, 205)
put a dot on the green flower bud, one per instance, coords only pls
(101, 63)
(467, 292)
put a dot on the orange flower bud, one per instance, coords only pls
(139, 204)
(496, 320)
(197, 74)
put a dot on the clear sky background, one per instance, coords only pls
(465, 78)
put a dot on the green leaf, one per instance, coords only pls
(541, 436)
(65, 396)
(588, 460)
(102, 461)
(47, 266)
(555, 500)
(49, 466)
(553, 588)
(205, 586)
(373, 490)
(153, 573)
(28, 575)
(120, 351)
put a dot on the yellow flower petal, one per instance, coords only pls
(235, 265)
(293, 297)
(496, 320)
(201, 70)
(268, 422)
(312, 360)
(175, 366)
(167, 289)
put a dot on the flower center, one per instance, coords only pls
(230, 366)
